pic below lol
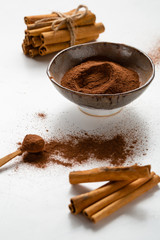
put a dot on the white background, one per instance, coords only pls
(33, 202)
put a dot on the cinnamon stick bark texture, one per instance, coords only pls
(38, 25)
(33, 19)
(115, 196)
(36, 41)
(33, 52)
(105, 212)
(109, 174)
(80, 202)
(47, 49)
(64, 35)
(26, 48)
(28, 40)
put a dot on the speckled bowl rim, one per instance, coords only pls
(104, 94)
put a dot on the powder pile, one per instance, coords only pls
(81, 149)
(100, 77)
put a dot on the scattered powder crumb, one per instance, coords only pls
(42, 115)
(19, 143)
(155, 54)
(16, 168)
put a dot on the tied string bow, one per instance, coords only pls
(62, 18)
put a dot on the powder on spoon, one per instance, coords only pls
(33, 143)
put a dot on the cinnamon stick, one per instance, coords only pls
(39, 25)
(26, 48)
(111, 208)
(87, 20)
(36, 41)
(33, 52)
(109, 174)
(34, 29)
(64, 35)
(33, 19)
(28, 40)
(47, 49)
(96, 207)
(80, 202)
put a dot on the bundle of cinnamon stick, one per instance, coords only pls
(124, 185)
(41, 39)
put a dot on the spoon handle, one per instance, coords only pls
(9, 157)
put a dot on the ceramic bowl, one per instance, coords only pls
(101, 104)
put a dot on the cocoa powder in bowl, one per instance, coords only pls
(100, 77)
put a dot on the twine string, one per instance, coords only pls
(69, 20)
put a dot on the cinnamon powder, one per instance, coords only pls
(41, 115)
(155, 54)
(100, 77)
(81, 149)
(33, 143)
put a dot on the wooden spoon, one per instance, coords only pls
(32, 144)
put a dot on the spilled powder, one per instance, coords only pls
(155, 54)
(41, 115)
(77, 150)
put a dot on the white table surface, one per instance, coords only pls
(33, 202)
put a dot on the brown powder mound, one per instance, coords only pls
(100, 77)
(33, 143)
(78, 150)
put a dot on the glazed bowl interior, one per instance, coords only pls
(119, 53)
